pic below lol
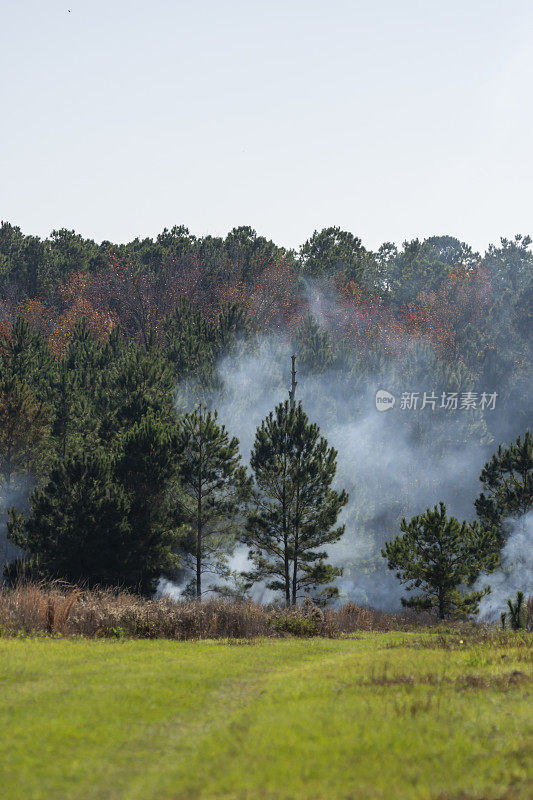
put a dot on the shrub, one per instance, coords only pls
(517, 614)
(57, 609)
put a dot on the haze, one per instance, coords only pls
(390, 119)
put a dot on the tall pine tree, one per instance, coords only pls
(296, 509)
(214, 489)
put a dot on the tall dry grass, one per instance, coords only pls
(32, 608)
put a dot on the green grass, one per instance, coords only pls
(382, 715)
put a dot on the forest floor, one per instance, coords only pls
(445, 716)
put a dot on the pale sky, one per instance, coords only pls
(390, 118)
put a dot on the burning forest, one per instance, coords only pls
(116, 376)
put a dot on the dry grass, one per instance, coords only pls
(70, 611)
(67, 611)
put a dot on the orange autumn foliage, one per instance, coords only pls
(137, 299)
(75, 307)
(368, 323)
(441, 315)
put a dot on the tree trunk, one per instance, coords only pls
(296, 543)
(287, 578)
(294, 383)
(294, 582)
(199, 520)
(286, 537)
(286, 563)
(199, 552)
(7, 471)
(441, 604)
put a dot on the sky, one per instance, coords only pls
(393, 119)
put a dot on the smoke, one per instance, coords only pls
(17, 495)
(393, 463)
(516, 573)
(167, 588)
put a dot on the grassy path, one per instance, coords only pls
(380, 716)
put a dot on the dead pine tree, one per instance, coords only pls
(295, 510)
(294, 383)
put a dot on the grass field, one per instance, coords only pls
(383, 715)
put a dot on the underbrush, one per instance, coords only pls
(33, 609)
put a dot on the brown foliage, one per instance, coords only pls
(442, 316)
(33, 609)
(137, 299)
(74, 306)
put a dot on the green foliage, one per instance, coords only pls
(420, 265)
(145, 467)
(314, 348)
(296, 625)
(517, 614)
(295, 508)
(438, 555)
(25, 355)
(115, 633)
(24, 431)
(78, 527)
(508, 483)
(334, 251)
(246, 251)
(192, 344)
(103, 520)
(510, 264)
(38, 265)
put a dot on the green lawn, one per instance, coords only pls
(382, 715)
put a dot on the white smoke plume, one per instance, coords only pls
(516, 573)
(16, 496)
(167, 588)
(386, 474)
(394, 464)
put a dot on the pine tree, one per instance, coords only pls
(102, 517)
(25, 355)
(438, 555)
(188, 344)
(78, 527)
(231, 326)
(24, 430)
(508, 482)
(214, 491)
(313, 346)
(145, 468)
(26, 370)
(24, 450)
(75, 422)
(295, 507)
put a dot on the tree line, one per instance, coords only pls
(107, 350)
(472, 311)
